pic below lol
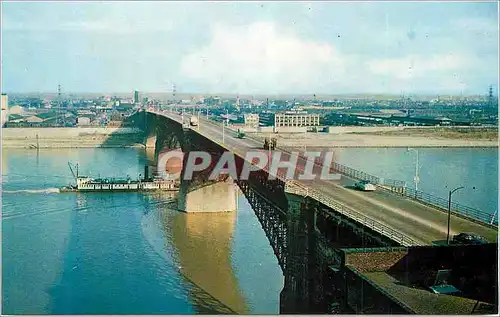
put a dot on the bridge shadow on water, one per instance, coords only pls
(203, 245)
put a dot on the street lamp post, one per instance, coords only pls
(199, 119)
(449, 211)
(226, 120)
(416, 178)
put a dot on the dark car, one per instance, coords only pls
(468, 238)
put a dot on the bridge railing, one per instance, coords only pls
(351, 172)
(399, 187)
(299, 189)
(442, 203)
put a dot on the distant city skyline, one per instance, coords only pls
(167, 97)
(236, 48)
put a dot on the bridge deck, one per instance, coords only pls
(422, 223)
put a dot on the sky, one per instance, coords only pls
(250, 47)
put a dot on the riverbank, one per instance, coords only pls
(456, 133)
(419, 138)
(71, 137)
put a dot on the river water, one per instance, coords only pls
(123, 253)
(440, 169)
(132, 253)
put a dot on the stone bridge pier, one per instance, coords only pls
(198, 194)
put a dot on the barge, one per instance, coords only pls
(89, 184)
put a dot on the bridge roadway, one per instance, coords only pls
(422, 223)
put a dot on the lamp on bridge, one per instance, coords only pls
(449, 210)
(416, 179)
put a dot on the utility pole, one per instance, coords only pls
(58, 104)
(173, 93)
(490, 96)
(417, 178)
(449, 212)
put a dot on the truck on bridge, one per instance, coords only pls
(270, 143)
(193, 121)
(241, 134)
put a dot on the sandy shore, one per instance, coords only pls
(71, 137)
(370, 140)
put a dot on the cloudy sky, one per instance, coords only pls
(250, 48)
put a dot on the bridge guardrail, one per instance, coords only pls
(399, 187)
(298, 189)
(442, 203)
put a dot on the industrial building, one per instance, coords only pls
(251, 120)
(83, 121)
(295, 119)
(290, 119)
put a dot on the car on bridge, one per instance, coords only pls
(468, 238)
(365, 186)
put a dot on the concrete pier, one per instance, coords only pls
(151, 142)
(213, 197)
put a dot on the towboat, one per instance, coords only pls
(89, 184)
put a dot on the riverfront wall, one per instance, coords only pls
(71, 137)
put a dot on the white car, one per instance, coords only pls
(365, 186)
